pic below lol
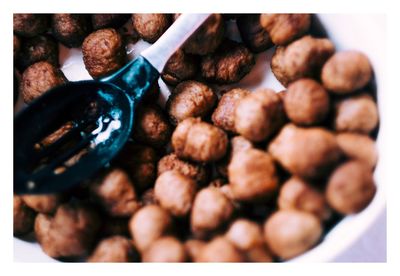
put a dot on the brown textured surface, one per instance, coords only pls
(29, 25)
(289, 233)
(302, 58)
(113, 249)
(180, 67)
(229, 64)
(346, 72)
(284, 28)
(306, 152)
(150, 26)
(70, 29)
(199, 141)
(350, 188)
(38, 79)
(103, 52)
(252, 175)
(190, 99)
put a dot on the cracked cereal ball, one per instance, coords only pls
(47, 204)
(24, 217)
(199, 173)
(140, 162)
(175, 192)
(211, 210)
(150, 26)
(302, 58)
(346, 72)
(207, 37)
(190, 99)
(289, 233)
(29, 25)
(306, 102)
(297, 194)
(252, 175)
(38, 79)
(103, 52)
(350, 188)
(284, 28)
(199, 141)
(114, 249)
(165, 249)
(223, 116)
(316, 146)
(149, 224)
(254, 36)
(70, 233)
(229, 64)
(70, 29)
(38, 48)
(116, 193)
(259, 115)
(180, 67)
(109, 20)
(356, 114)
(151, 126)
(220, 250)
(359, 147)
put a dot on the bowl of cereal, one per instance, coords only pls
(260, 140)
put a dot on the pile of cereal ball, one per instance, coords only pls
(217, 175)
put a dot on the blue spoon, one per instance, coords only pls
(100, 115)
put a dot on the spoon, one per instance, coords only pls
(98, 117)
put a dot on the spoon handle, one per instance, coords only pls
(159, 53)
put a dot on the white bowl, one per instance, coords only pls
(362, 32)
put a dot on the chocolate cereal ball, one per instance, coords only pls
(175, 192)
(259, 115)
(70, 29)
(289, 233)
(140, 162)
(316, 146)
(297, 194)
(306, 102)
(224, 115)
(24, 217)
(356, 114)
(190, 99)
(193, 248)
(180, 67)
(171, 162)
(103, 52)
(165, 249)
(254, 36)
(115, 193)
(252, 175)
(29, 25)
(302, 58)
(150, 26)
(220, 250)
(114, 249)
(70, 233)
(109, 20)
(38, 79)
(229, 64)
(47, 204)
(199, 141)
(151, 126)
(211, 210)
(38, 48)
(207, 37)
(350, 188)
(149, 224)
(284, 28)
(346, 72)
(359, 147)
